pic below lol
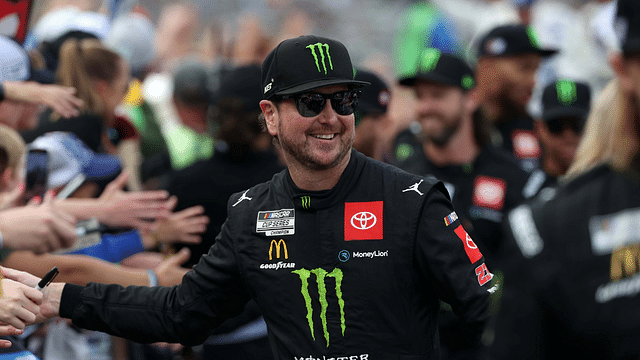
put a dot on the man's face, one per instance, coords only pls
(560, 138)
(320, 142)
(440, 110)
(512, 79)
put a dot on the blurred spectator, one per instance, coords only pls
(508, 58)
(243, 156)
(102, 81)
(566, 105)
(373, 125)
(423, 25)
(483, 181)
(573, 272)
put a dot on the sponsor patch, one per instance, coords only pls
(613, 231)
(449, 219)
(276, 222)
(489, 192)
(363, 220)
(483, 274)
(470, 247)
(525, 144)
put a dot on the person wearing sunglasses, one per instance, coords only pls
(566, 105)
(347, 257)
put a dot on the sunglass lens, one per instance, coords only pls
(555, 126)
(310, 104)
(344, 102)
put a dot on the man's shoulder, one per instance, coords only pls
(257, 195)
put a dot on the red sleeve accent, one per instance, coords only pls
(125, 128)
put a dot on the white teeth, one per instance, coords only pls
(324, 137)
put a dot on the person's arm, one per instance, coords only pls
(116, 207)
(37, 227)
(212, 292)
(453, 264)
(60, 99)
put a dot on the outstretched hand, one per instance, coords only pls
(132, 209)
(182, 226)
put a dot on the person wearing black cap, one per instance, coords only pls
(347, 257)
(371, 119)
(565, 107)
(447, 141)
(508, 59)
(572, 281)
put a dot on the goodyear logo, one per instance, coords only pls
(278, 250)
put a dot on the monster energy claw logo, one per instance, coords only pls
(319, 49)
(567, 92)
(321, 275)
(306, 202)
(429, 60)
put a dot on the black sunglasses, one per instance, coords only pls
(557, 126)
(311, 104)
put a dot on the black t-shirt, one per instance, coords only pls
(517, 137)
(87, 127)
(210, 183)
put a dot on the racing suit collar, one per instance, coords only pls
(306, 200)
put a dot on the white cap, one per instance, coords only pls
(14, 61)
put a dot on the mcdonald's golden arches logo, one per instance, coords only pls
(625, 262)
(278, 244)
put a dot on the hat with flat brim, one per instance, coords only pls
(566, 98)
(306, 63)
(510, 40)
(70, 157)
(436, 66)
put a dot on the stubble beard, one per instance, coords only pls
(442, 138)
(304, 155)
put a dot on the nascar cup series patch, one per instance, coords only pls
(276, 222)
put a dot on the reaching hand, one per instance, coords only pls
(182, 226)
(133, 209)
(19, 303)
(38, 227)
(170, 272)
(60, 99)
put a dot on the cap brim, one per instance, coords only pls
(321, 83)
(102, 166)
(410, 81)
(565, 112)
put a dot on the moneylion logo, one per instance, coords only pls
(321, 275)
(278, 244)
(319, 49)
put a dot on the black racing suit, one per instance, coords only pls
(355, 272)
(572, 285)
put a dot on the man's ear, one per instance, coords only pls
(271, 116)
(619, 66)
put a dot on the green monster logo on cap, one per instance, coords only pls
(533, 37)
(321, 49)
(567, 92)
(429, 59)
(468, 82)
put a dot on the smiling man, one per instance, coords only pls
(347, 257)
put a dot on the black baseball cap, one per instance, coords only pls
(241, 83)
(628, 25)
(375, 97)
(306, 63)
(566, 98)
(191, 83)
(434, 65)
(512, 39)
